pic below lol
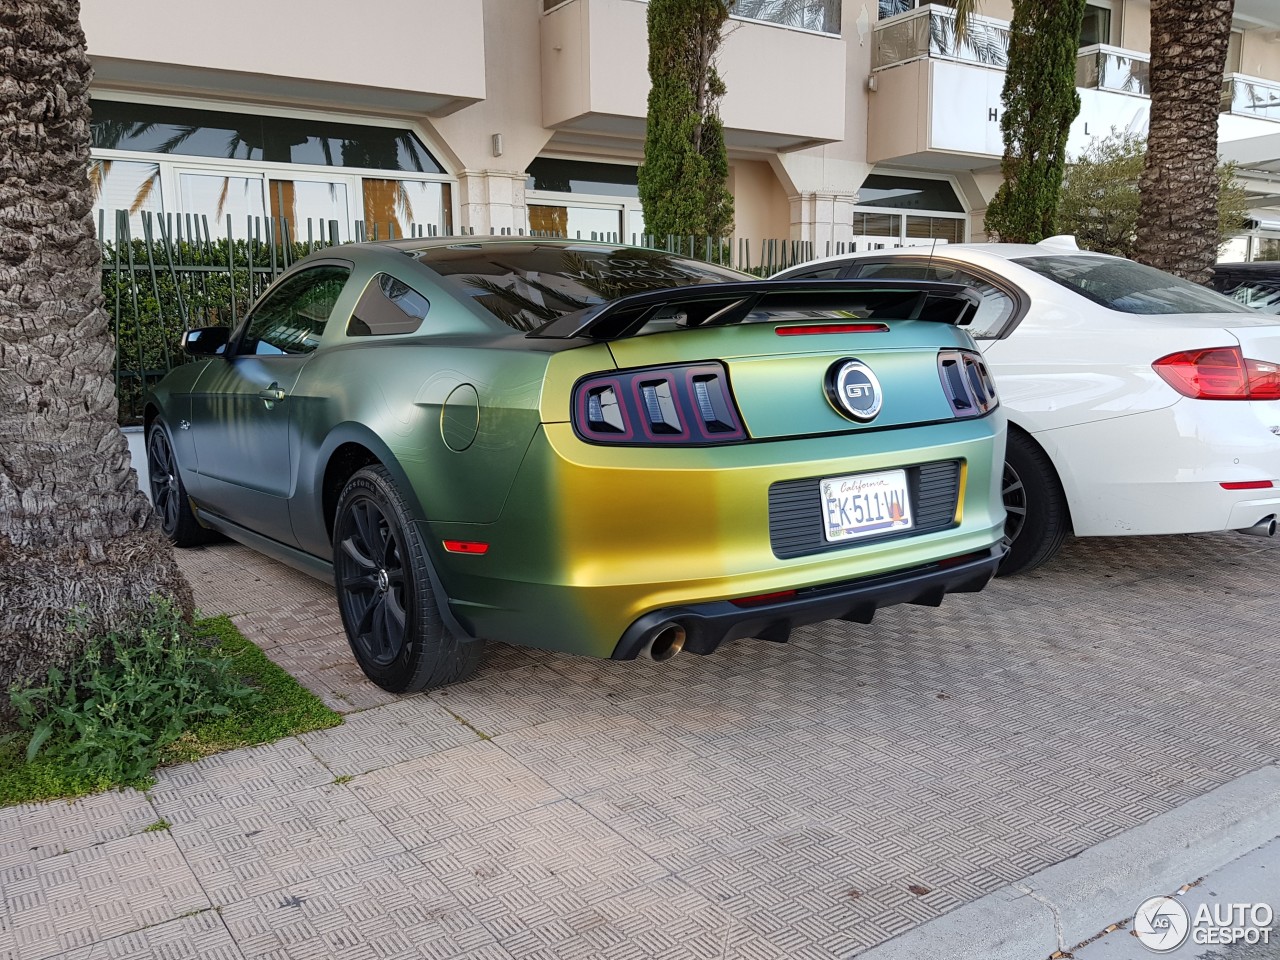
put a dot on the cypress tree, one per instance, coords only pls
(1040, 102)
(683, 178)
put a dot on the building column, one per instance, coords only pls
(492, 201)
(823, 219)
(823, 191)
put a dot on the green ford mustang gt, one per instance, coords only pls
(585, 447)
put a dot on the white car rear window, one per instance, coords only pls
(1130, 287)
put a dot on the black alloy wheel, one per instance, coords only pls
(371, 582)
(386, 592)
(168, 493)
(1037, 519)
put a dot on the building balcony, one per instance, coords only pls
(1103, 67)
(1251, 97)
(595, 74)
(952, 88)
(262, 52)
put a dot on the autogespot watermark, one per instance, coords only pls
(1163, 924)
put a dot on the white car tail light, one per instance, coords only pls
(1219, 373)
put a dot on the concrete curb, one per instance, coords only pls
(1067, 903)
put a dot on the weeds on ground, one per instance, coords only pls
(159, 693)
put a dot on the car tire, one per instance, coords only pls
(168, 493)
(1038, 520)
(389, 608)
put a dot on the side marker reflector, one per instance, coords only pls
(466, 546)
(1248, 485)
(762, 598)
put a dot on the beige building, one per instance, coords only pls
(860, 123)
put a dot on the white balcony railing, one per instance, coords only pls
(1251, 97)
(930, 31)
(1103, 67)
(819, 16)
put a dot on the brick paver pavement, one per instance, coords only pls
(803, 800)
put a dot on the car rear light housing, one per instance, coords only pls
(967, 383)
(1219, 373)
(687, 405)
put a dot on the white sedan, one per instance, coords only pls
(1138, 403)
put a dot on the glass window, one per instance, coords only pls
(387, 306)
(876, 224)
(1234, 43)
(896, 270)
(527, 284)
(1257, 294)
(318, 201)
(130, 185)
(292, 317)
(405, 208)
(150, 128)
(917, 193)
(1096, 26)
(1130, 287)
(942, 229)
(582, 176)
(891, 8)
(216, 196)
(825, 273)
(994, 311)
(576, 223)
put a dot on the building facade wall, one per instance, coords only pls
(507, 95)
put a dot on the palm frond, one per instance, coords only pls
(144, 191)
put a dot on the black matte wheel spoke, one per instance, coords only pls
(360, 582)
(368, 518)
(352, 550)
(1014, 495)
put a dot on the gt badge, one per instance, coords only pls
(853, 390)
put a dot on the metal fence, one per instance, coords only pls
(163, 274)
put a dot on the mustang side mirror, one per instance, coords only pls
(206, 341)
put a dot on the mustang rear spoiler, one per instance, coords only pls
(723, 304)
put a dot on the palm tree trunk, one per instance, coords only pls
(75, 532)
(1178, 212)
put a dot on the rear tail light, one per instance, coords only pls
(967, 383)
(1219, 373)
(689, 405)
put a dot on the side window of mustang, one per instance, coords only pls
(291, 318)
(387, 306)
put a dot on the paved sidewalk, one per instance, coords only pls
(806, 800)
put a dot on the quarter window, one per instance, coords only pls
(993, 313)
(388, 306)
(291, 319)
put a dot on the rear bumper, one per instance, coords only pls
(593, 539)
(1161, 472)
(707, 625)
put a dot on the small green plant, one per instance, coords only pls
(161, 824)
(345, 778)
(133, 692)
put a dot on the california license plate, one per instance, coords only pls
(864, 504)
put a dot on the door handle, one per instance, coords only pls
(273, 394)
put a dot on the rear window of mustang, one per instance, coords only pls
(1130, 287)
(527, 284)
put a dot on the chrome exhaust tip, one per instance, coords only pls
(1266, 527)
(665, 641)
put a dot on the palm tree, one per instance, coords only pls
(77, 538)
(1178, 206)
